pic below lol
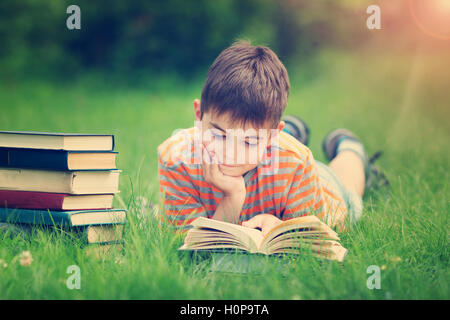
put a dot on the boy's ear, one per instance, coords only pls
(281, 125)
(197, 110)
(279, 128)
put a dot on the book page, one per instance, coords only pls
(311, 224)
(300, 236)
(251, 238)
(327, 249)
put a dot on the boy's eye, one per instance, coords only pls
(251, 141)
(251, 144)
(218, 135)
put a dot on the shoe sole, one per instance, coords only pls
(329, 144)
(302, 129)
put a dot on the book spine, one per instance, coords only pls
(31, 200)
(45, 217)
(34, 158)
(80, 233)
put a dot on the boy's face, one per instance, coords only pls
(238, 148)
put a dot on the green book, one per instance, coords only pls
(63, 218)
(244, 263)
(91, 234)
(57, 141)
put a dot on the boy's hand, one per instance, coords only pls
(264, 221)
(230, 206)
(230, 186)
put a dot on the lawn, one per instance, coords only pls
(395, 102)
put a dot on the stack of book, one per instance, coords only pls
(65, 180)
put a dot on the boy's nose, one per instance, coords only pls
(228, 151)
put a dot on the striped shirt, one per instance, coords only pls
(294, 189)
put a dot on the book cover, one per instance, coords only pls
(63, 218)
(56, 159)
(53, 201)
(243, 263)
(56, 141)
(90, 234)
(72, 182)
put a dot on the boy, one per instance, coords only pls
(242, 163)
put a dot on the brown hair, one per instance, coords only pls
(248, 82)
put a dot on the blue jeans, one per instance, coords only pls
(353, 201)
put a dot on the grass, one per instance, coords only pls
(396, 103)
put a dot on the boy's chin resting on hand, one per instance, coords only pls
(264, 221)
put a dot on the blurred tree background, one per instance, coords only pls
(135, 39)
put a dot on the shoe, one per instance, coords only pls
(373, 175)
(297, 128)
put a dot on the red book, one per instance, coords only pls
(54, 201)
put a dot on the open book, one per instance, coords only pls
(290, 236)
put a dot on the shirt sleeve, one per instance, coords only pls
(179, 198)
(307, 196)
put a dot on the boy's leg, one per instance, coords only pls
(348, 166)
(348, 159)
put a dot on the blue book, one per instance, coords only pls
(99, 234)
(63, 218)
(57, 159)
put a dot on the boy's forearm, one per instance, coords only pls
(230, 208)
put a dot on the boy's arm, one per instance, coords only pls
(229, 208)
(303, 196)
(181, 200)
(233, 189)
